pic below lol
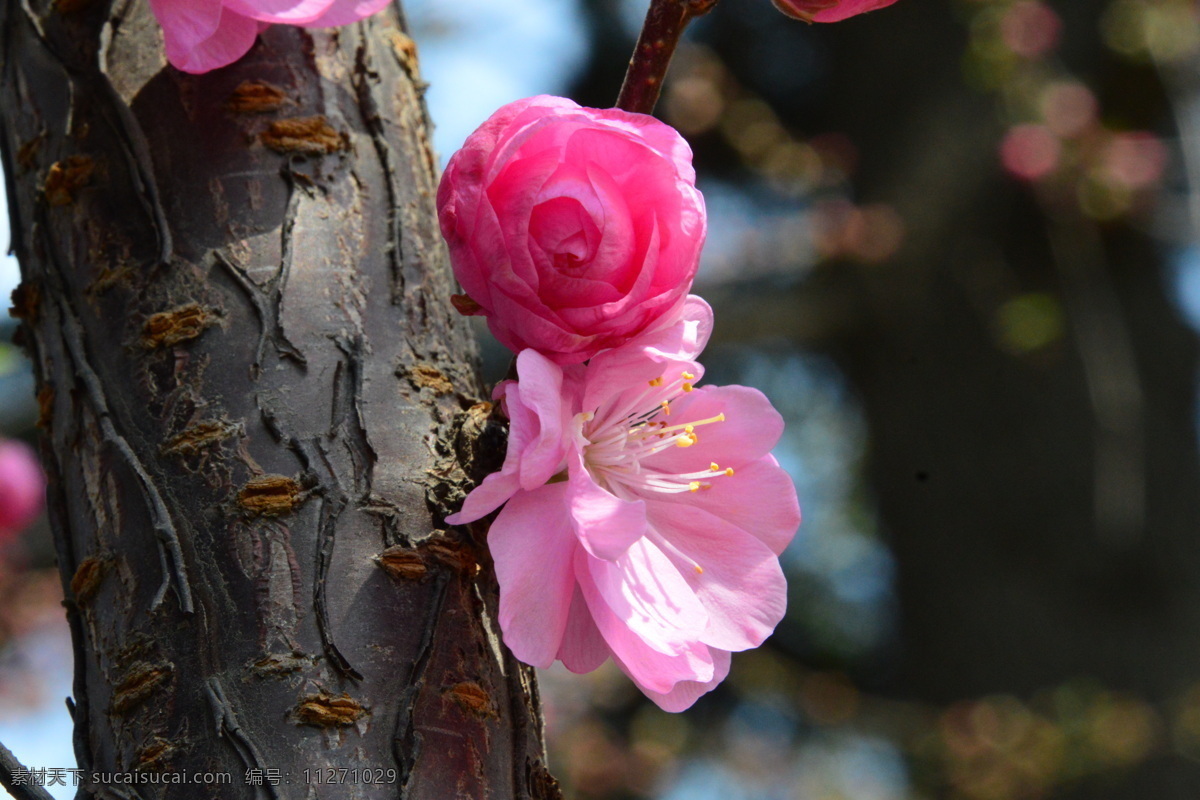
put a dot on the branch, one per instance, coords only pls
(664, 24)
(9, 765)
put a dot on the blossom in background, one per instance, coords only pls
(643, 515)
(22, 487)
(202, 35)
(572, 229)
(828, 10)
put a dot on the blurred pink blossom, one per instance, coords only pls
(572, 229)
(1030, 152)
(1069, 109)
(1030, 28)
(22, 487)
(643, 517)
(1135, 160)
(828, 10)
(202, 35)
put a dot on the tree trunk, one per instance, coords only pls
(252, 386)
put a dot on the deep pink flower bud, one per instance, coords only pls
(22, 487)
(202, 35)
(573, 229)
(828, 10)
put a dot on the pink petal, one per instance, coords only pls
(22, 486)
(850, 8)
(652, 671)
(285, 12)
(533, 548)
(540, 385)
(551, 339)
(187, 23)
(828, 10)
(486, 497)
(605, 524)
(583, 648)
(537, 409)
(736, 577)
(201, 36)
(662, 137)
(642, 357)
(683, 339)
(344, 12)
(617, 379)
(642, 596)
(759, 498)
(685, 693)
(750, 429)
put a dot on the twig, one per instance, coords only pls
(664, 24)
(9, 766)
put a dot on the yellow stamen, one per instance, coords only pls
(687, 441)
(694, 486)
(657, 381)
(688, 428)
(687, 376)
(699, 570)
(666, 407)
(729, 471)
(713, 466)
(687, 387)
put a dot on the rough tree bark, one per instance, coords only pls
(252, 386)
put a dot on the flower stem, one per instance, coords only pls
(664, 24)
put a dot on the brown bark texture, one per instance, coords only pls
(257, 405)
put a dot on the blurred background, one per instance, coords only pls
(957, 243)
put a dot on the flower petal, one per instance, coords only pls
(685, 338)
(285, 12)
(641, 596)
(344, 12)
(685, 693)
(485, 498)
(540, 389)
(750, 429)
(644, 357)
(649, 668)
(736, 577)
(534, 550)
(583, 648)
(202, 36)
(605, 524)
(759, 498)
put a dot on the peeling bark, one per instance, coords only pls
(257, 403)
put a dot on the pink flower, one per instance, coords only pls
(572, 229)
(202, 35)
(828, 10)
(22, 487)
(643, 515)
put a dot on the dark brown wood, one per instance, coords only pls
(664, 24)
(252, 382)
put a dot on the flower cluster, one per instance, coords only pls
(643, 514)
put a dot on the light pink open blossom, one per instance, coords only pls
(643, 515)
(202, 35)
(828, 10)
(22, 487)
(572, 229)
